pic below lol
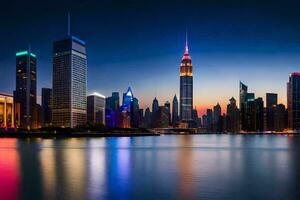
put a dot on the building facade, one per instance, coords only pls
(7, 111)
(25, 93)
(96, 108)
(69, 82)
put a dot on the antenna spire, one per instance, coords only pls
(186, 42)
(69, 24)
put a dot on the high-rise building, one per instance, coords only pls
(96, 108)
(46, 107)
(196, 119)
(280, 118)
(293, 101)
(69, 82)
(186, 86)
(127, 99)
(135, 113)
(271, 103)
(217, 113)
(247, 109)
(147, 118)
(209, 119)
(204, 121)
(25, 93)
(232, 117)
(155, 105)
(271, 99)
(161, 117)
(112, 107)
(6, 111)
(129, 106)
(168, 107)
(113, 102)
(243, 93)
(254, 115)
(175, 111)
(259, 111)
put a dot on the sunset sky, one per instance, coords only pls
(140, 44)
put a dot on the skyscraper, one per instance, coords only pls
(293, 101)
(155, 105)
(127, 99)
(243, 93)
(135, 113)
(280, 118)
(175, 111)
(168, 109)
(112, 107)
(259, 111)
(69, 82)
(147, 119)
(232, 117)
(209, 119)
(46, 106)
(96, 108)
(186, 86)
(125, 114)
(25, 93)
(271, 99)
(217, 113)
(115, 102)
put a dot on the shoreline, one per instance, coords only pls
(52, 135)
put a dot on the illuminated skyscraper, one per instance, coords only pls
(25, 93)
(127, 99)
(69, 82)
(186, 86)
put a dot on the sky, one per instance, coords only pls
(140, 44)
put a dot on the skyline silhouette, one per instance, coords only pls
(140, 44)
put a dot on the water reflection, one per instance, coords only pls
(167, 167)
(9, 170)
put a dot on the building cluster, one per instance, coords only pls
(67, 104)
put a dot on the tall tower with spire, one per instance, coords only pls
(69, 81)
(186, 86)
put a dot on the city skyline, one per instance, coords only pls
(149, 63)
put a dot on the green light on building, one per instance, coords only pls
(21, 53)
(33, 55)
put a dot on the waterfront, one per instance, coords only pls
(165, 167)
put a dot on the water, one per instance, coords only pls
(165, 167)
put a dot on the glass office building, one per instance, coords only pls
(69, 82)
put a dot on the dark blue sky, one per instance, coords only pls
(140, 43)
